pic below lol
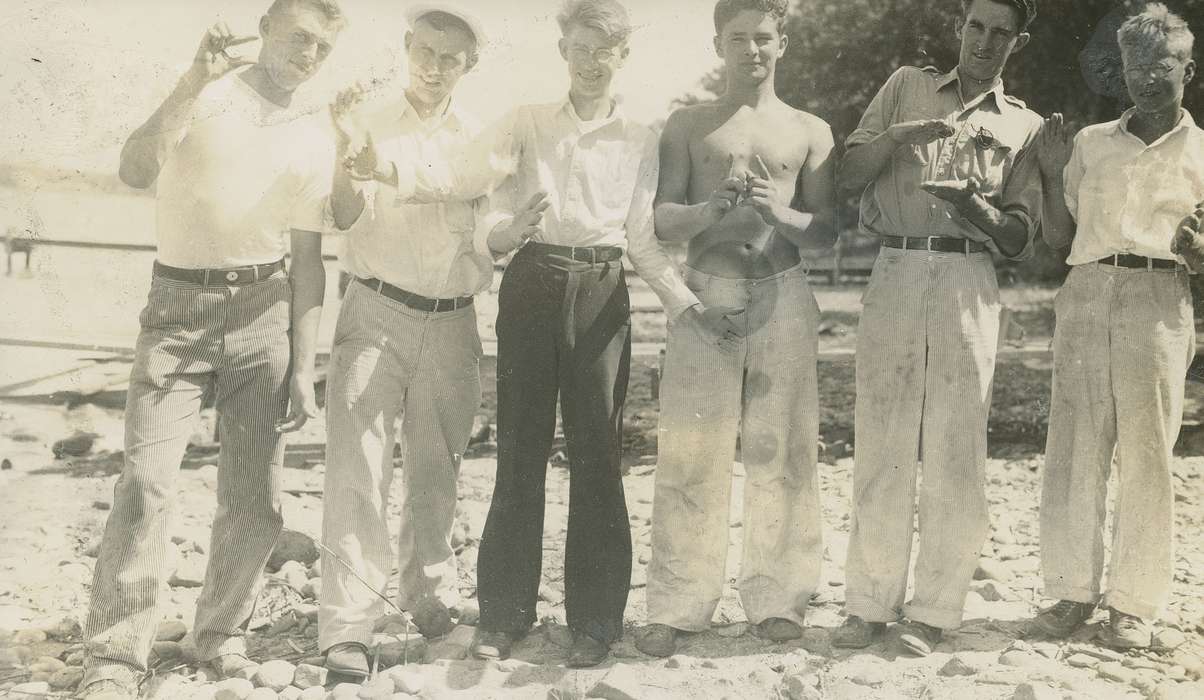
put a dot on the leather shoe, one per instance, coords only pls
(918, 639)
(856, 633)
(348, 659)
(657, 640)
(491, 645)
(777, 629)
(230, 665)
(107, 689)
(587, 651)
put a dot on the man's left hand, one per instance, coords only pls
(959, 193)
(762, 194)
(303, 404)
(1188, 241)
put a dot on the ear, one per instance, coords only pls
(718, 41)
(409, 38)
(563, 45)
(1189, 72)
(264, 26)
(1022, 40)
(784, 42)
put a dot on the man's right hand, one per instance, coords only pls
(716, 322)
(1188, 241)
(727, 195)
(920, 132)
(1055, 143)
(213, 59)
(523, 226)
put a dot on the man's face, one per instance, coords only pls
(295, 43)
(592, 59)
(990, 33)
(438, 59)
(1155, 77)
(750, 45)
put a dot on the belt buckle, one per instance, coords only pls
(439, 305)
(928, 242)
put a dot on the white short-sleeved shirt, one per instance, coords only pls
(242, 174)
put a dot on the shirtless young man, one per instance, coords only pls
(748, 181)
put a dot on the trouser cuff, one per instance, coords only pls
(936, 617)
(221, 647)
(869, 609)
(1125, 603)
(1061, 591)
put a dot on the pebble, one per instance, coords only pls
(1083, 661)
(1167, 639)
(262, 694)
(620, 683)
(993, 570)
(380, 688)
(1020, 659)
(1115, 671)
(293, 546)
(958, 666)
(1035, 691)
(871, 674)
(993, 591)
(276, 674)
(28, 637)
(1178, 691)
(345, 691)
(64, 630)
(315, 693)
(290, 693)
(233, 689)
(454, 646)
(309, 676)
(170, 631)
(67, 678)
(47, 665)
(295, 575)
(679, 661)
(406, 680)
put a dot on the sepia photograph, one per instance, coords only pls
(618, 349)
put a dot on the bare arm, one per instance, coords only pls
(146, 149)
(347, 201)
(675, 218)
(308, 278)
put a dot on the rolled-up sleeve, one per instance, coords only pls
(651, 262)
(1022, 196)
(1072, 176)
(881, 112)
(471, 172)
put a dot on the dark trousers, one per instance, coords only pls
(563, 328)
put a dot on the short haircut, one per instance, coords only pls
(1026, 10)
(606, 16)
(725, 10)
(442, 21)
(330, 8)
(1156, 24)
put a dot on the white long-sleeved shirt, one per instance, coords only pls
(1129, 197)
(426, 249)
(600, 177)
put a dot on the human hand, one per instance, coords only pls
(1055, 142)
(1188, 241)
(522, 227)
(959, 193)
(919, 132)
(342, 111)
(763, 195)
(716, 323)
(212, 59)
(303, 403)
(727, 194)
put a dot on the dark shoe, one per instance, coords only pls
(432, 618)
(918, 639)
(777, 629)
(491, 645)
(1125, 631)
(587, 651)
(232, 666)
(657, 640)
(1062, 618)
(856, 633)
(348, 659)
(107, 689)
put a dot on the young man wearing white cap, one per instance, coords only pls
(406, 345)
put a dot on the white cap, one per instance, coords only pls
(416, 10)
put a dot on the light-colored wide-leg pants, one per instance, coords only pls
(767, 394)
(390, 360)
(1122, 345)
(235, 342)
(926, 346)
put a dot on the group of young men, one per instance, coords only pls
(952, 172)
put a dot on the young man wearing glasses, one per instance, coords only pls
(947, 178)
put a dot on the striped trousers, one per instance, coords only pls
(233, 341)
(767, 393)
(926, 346)
(1122, 345)
(388, 361)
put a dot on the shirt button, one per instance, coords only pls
(231, 276)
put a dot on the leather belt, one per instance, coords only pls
(1138, 262)
(586, 254)
(414, 301)
(935, 244)
(232, 276)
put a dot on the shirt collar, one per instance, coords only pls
(585, 127)
(995, 92)
(1185, 122)
(451, 114)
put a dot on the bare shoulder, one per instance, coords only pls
(809, 128)
(683, 120)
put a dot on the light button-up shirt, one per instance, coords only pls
(1129, 197)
